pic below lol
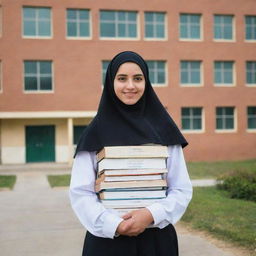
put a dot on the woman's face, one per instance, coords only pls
(129, 83)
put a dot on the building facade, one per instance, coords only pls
(54, 54)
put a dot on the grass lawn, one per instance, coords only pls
(211, 170)
(59, 180)
(7, 181)
(229, 219)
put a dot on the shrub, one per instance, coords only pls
(239, 184)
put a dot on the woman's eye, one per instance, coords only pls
(138, 78)
(121, 78)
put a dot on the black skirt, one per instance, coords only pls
(152, 242)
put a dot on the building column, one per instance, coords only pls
(70, 141)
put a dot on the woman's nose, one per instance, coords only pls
(130, 84)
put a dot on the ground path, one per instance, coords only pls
(36, 220)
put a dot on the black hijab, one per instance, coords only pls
(118, 124)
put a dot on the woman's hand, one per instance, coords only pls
(135, 222)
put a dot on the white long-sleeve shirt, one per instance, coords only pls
(103, 222)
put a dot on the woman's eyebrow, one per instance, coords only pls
(127, 75)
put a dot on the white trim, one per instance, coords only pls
(190, 40)
(47, 114)
(1, 21)
(250, 41)
(1, 75)
(120, 38)
(224, 85)
(226, 131)
(193, 131)
(250, 85)
(251, 130)
(160, 85)
(224, 40)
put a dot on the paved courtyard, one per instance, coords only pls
(37, 220)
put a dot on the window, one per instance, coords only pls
(36, 22)
(190, 72)
(104, 65)
(38, 75)
(250, 30)
(1, 88)
(251, 72)
(191, 118)
(157, 72)
(190, 27)
(225, 118)
(223, 72)
(78, 23)
(78, 129)
(118, 24)
(251, 117)
(223, 27)
(1, 21)
(154, 25)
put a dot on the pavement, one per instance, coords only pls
(37, 220)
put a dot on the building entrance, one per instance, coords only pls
(40, 143)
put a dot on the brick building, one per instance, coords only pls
(54, 54)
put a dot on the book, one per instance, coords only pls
(131, 163)
(132, 194)
(130, 184)
(132, 203)
(116, 172)
(145, 151)
(107, 178)
(122, 211)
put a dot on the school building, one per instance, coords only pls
(54, 54)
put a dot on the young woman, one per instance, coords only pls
(129, 113)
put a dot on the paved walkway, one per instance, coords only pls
(36, 220)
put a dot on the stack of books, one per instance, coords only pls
(131, 177)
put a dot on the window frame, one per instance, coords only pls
(165, 72)
(250, 84)
(245, 27)
(201, 84)
(38, 91)
(102, 81)
(1, 21)
(250, 129)
(37, 36)
(234, 129)
(1, 76)
(233, 39)
(121, 38)
(202, 130)
(233, 84)
(89, 21)
(200, 28)
(165, 38)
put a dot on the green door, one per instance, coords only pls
(40, 143)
